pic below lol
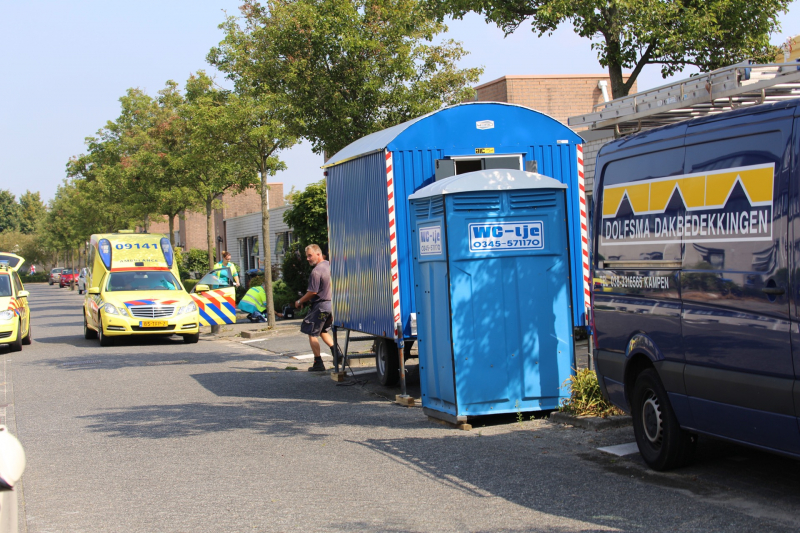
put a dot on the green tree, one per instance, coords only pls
(348, 67)
(31, 212)
(211, 152)
(9, 211)
(308, 218)
(629, 34)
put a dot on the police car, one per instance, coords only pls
(15, 318)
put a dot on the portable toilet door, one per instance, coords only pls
(493, 290)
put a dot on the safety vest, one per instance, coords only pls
(254, 300)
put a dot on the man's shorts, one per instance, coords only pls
(317, 321)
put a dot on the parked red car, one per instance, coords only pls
(67, 277)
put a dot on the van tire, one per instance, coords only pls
(29, 337)
(105, 340)
(662, 443)
(88, 333)
(387, 362)
(191, 339)
(16, 346)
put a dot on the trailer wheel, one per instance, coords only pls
(387, 361)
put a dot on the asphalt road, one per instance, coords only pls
(151, 436)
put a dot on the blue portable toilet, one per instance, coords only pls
(492, 277)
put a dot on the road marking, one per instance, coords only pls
(621, 450)
(310, 356)
(254, 340)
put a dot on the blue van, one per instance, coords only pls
(697, 248)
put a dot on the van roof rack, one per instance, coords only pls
(741, 85)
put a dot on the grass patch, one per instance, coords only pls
(291, 368)
(585, 397)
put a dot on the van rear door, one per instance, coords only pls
(736, 324)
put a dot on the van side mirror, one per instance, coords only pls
(201, 288)
(94, 290)
(23, 294)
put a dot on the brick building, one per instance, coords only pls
(560, 96)
(190, 228)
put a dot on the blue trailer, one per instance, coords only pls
(368, 185)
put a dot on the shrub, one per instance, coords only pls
(196, 260)
(39, 277)
(189, 284)
(296, 269)
(585, 396)
(180, 263)
(283, 295)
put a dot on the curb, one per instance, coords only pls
(590, 422)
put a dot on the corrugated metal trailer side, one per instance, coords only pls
(358, 222)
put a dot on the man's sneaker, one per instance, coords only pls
(318, 366)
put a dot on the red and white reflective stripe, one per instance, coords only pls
(392, 238)
(587, 294)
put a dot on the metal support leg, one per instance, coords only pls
(591, 351)
(346, 348)
(403, 398)
(335, 347)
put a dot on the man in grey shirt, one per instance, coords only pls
(319, 319)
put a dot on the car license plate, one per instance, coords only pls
(153, 324)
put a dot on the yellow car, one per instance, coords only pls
(15, 316)
(133, 289)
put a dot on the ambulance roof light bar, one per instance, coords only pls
(728, 88)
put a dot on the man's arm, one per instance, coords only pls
(306, 297)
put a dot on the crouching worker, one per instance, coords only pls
(254, 304)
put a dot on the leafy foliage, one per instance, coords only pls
(195, 260)
(347, 67)
(31, 212)
(629, 34)
(585, 396)
(308, 216)
(296, 269)
(9, 211)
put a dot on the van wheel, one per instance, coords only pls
(387, 361)
(105, 340)
(16, 346)
(29, 337)
(662, 443)
(88, 333)
(191, 339)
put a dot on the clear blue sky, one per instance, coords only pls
(66, 64)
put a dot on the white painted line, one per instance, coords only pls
(254, 340)
(310, 357)
(621, 450)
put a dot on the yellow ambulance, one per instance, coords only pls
(15, 317)
(133, 288)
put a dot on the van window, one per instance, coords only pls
(5, 285)
(147, 280)
(631, 216)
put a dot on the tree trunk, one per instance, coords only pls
(147, 224)
(171, 222)
(618, 88)
(72, 267)
(265, 243)
(210, 231)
